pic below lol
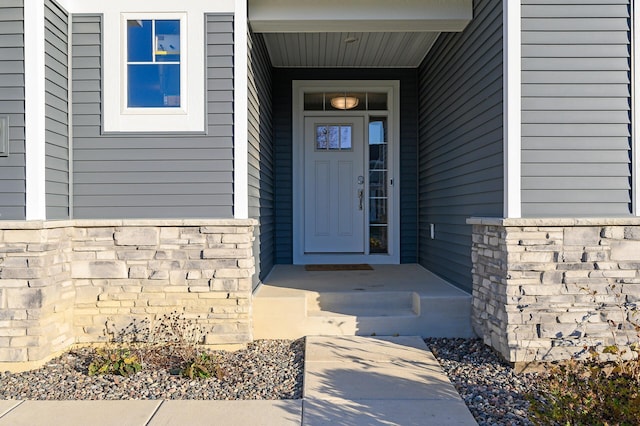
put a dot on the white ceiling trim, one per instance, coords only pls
(359, 15)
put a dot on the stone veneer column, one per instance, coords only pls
(545, 288)
(36, 292)
(63, 282)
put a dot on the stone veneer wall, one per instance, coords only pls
(61, 282)
(545, 288)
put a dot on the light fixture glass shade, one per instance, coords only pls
(344, 102)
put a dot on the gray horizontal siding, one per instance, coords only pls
(575, 108)
(282, 83)
(56, 111)
(12, 168)
(460, 141)
(152, 175)
(261, 166)
(409, 96)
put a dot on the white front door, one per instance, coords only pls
(334, 177)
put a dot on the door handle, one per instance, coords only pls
(361, 197)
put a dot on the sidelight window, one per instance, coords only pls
(378, 190)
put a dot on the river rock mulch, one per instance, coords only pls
(273, 369)
(266, 369)
(492, 390)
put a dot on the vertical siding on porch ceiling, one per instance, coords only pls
(57, 111)
(576, 108)
(152, 175)
(460, 141)
(282, 81)
(261, 155)
(12, 168)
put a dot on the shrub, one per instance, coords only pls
(173, 342)
(588, 393)
(595, 392)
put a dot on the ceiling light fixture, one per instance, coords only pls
(344, 102)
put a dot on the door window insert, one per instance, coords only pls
(333, 137)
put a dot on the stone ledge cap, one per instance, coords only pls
(97, 223)
(555, 221)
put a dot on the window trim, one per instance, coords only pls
(191, 115)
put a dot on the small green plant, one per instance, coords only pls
(202, 366)
(119, 361)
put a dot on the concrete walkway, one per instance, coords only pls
(348, 381)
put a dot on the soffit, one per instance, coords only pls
(380, 50)
(383, 33)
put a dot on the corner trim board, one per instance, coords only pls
(241, 124)
(635, 114)
(34, 75)
(512, 110)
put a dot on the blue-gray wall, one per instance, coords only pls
(12, 168)
(576, 108)
(261, 166)
(152, 175)
(56, 111)
(282, 98)
(460, 141)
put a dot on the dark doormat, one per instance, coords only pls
(347, 267)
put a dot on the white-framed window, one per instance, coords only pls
(158, 73)
(154, 77)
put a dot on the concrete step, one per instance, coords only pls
(404, 300)
(408, 314)
(381, 303)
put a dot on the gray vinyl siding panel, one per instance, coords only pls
(56, 111)
(152, 175)
(409, 100)
(460, 126)
(282, 127)
(576, 138)
(261, 166)
(12, 104)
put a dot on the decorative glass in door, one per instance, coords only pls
(333, 137)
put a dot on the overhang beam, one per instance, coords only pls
(307, 16)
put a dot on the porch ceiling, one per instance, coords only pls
(349, 49)
(354, 33)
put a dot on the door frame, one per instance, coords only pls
(392, 88)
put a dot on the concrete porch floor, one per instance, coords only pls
(389, 300)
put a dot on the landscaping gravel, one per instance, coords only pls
(492, 390)
(267, 369)
(273, 369)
